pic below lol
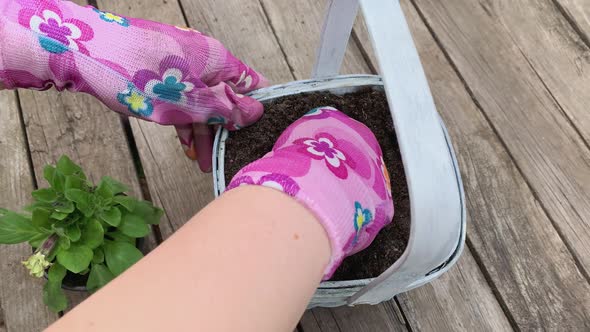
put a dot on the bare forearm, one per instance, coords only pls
(249, 261)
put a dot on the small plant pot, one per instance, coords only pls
(436, 238)
(77, 282)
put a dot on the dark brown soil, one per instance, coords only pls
(369, 107)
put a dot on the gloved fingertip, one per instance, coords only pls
(203, 138)
(205, 165)
(191, 153)
(248, 110)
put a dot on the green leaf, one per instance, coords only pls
(35, 205)
(78, 196)
(64, 206)
(148, 212)
(114, 186)
(64, 243)
(76, 258)
(73, 232)
(16, 228)
(56, 273)
(54, 297)
(46, 195)
(38, 241)
(127, 202)
(67, 167)
(133, 226)
(49, 174)
(92, 234)
(120, 255)
(111, 216)
(104, 189)
(59, 182)
(98, 256)
(59, 215)
(40, 218)
(75, 182)
(99, 276)
(118, 236)
(82, 199)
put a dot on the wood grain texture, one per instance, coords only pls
(21, 296)
(460, 300)
(252, 40)
(361, 318)
(297, 25)
(578, 13)
(511, 235)
(561, 60)
(546, 147)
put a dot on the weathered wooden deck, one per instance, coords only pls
(511, 80)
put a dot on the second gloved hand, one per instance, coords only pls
(334, 166)
(157, 72)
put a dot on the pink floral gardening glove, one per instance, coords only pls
(161, 73)
(333, 165)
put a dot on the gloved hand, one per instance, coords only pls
(161, 73)
(333, 165)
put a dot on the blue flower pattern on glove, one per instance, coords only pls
(362, 217)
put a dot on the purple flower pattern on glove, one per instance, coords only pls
(325, 147)
(56, 34)
(172, 83)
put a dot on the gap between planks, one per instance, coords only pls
(577, 12)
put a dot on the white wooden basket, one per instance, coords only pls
(438, 221)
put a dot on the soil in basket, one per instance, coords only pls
(369, 107)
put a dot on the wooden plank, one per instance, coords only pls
(547, 148)
(297, 25)
(578, 13)
(460, 300)
(175, 182)
(252, 40)
(21, 296)
(510, 234)
(361, 318)
(562, 61)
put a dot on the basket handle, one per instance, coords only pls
(434, 190)
(338, 22)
